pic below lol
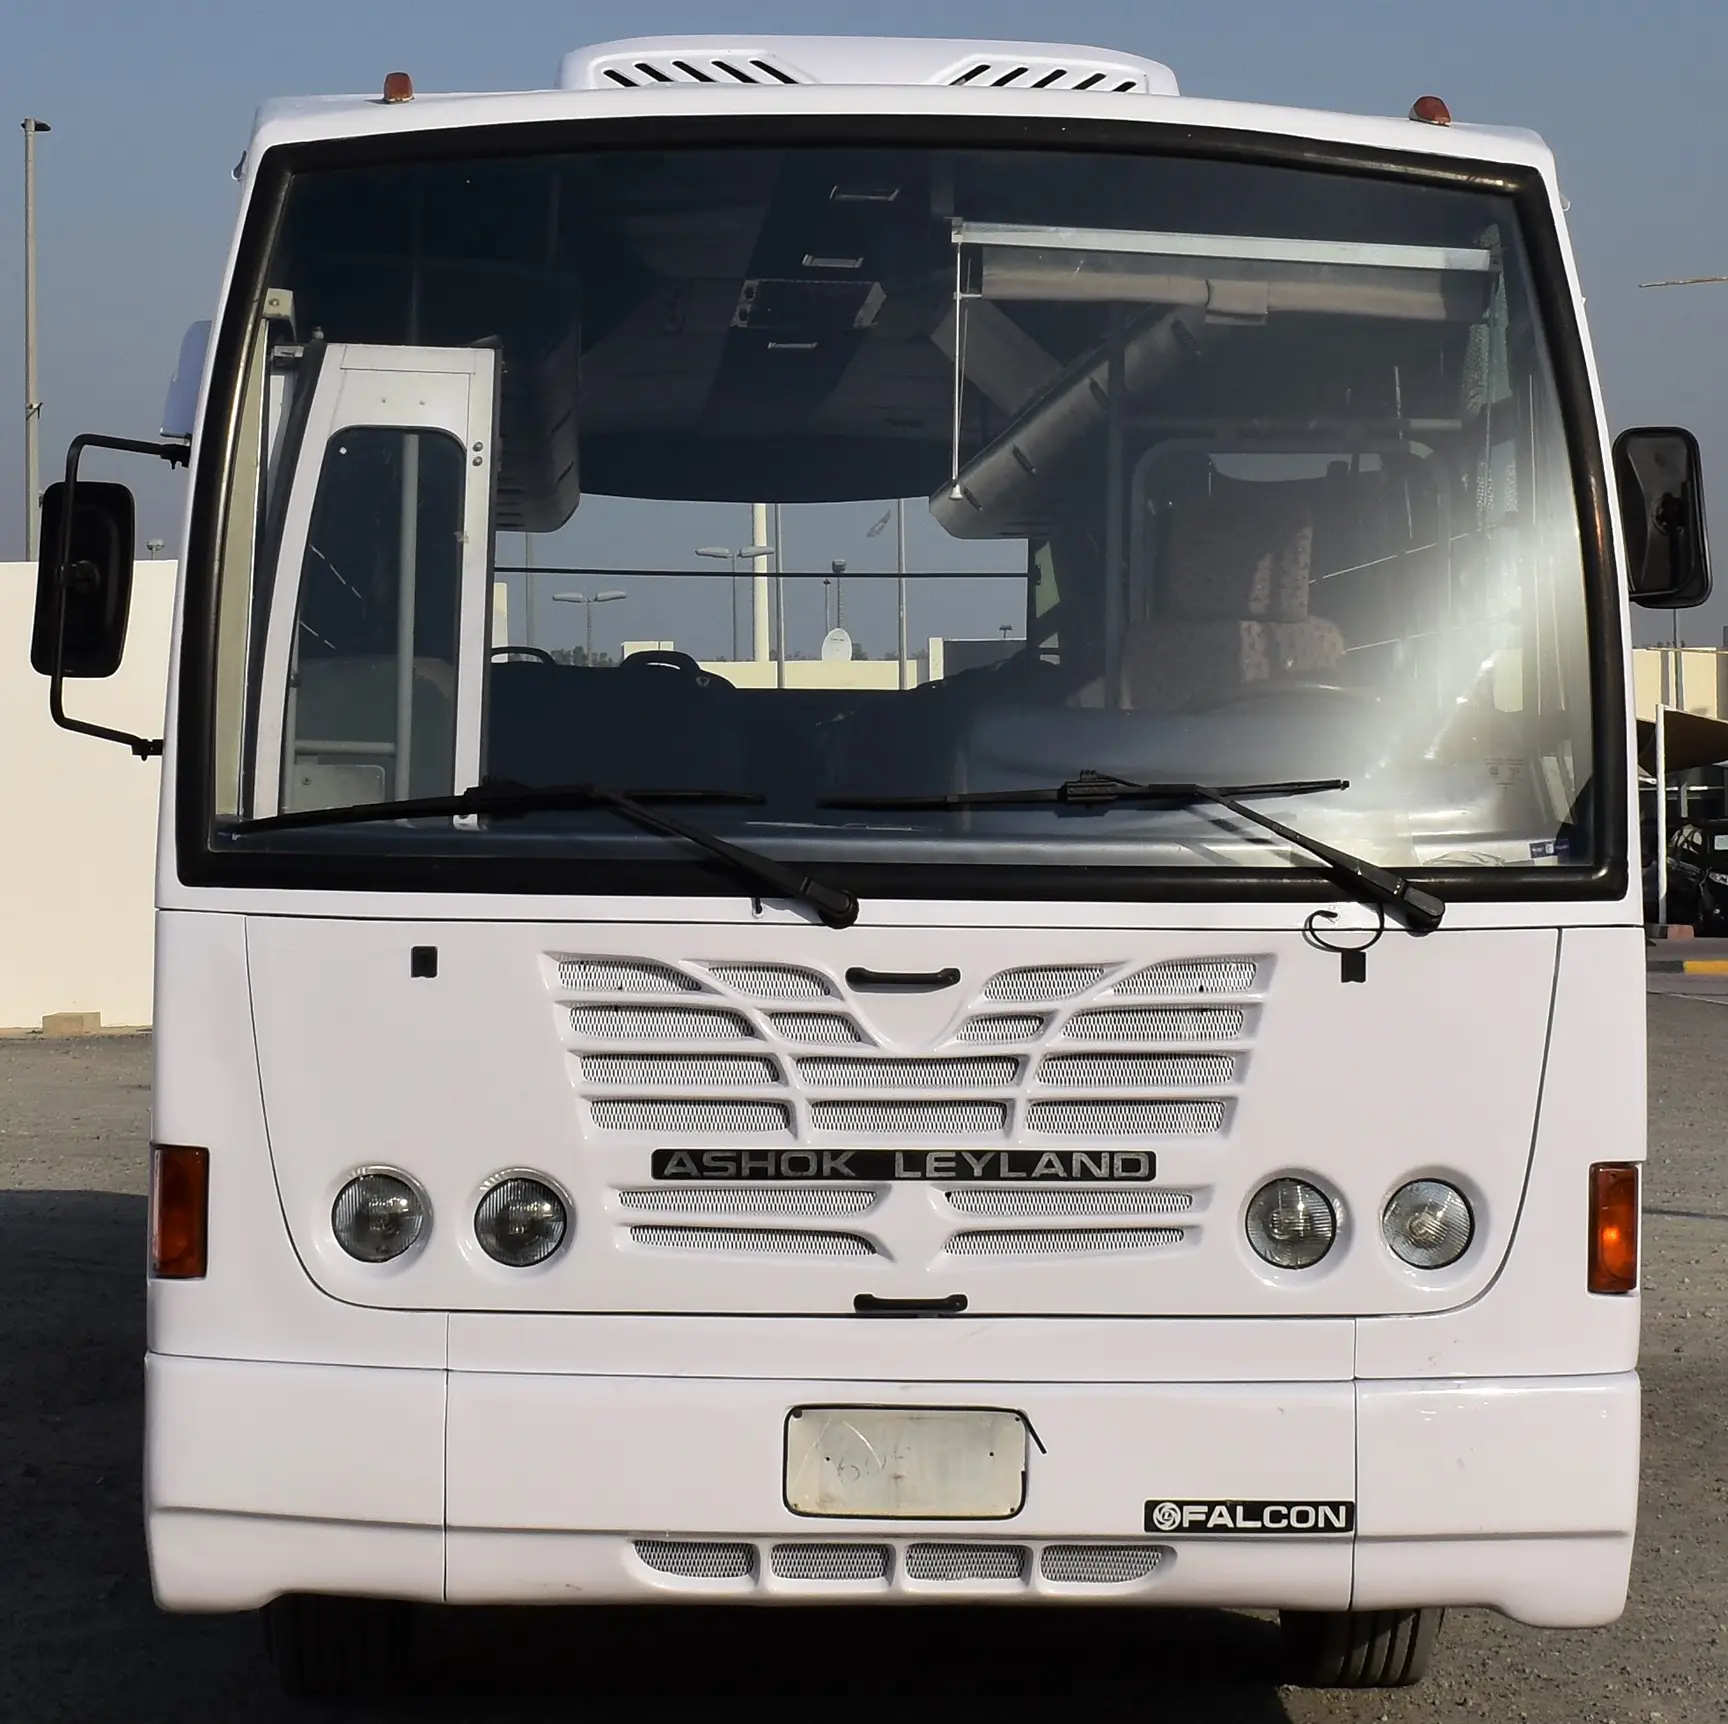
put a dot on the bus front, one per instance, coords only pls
(895, 868)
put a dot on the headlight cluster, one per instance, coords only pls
(380, 1214)
(1293, 1224)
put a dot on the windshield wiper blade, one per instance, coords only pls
(1421, 910)
(501, 799)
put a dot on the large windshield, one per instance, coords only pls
(809, 475)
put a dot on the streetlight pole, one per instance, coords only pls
(587, 601)
(32, 404)
(732, 559)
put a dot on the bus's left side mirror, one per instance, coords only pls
(96, 578)
(1656, 469)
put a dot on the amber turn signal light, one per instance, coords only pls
(179, 1211)
(1614, 1227)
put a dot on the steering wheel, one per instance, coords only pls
(681, 663)
(538, 654)
(1296, 688)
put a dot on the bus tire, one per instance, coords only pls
(1357, 1648)
(337, 1646)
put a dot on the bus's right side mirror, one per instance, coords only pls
(1661, 489)
(97, 577)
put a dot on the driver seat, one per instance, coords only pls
(1232, 596)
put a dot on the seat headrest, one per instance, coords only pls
(1242, 552)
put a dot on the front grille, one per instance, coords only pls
(966, 1562)
(660, 1024)
(838, 1071)
(623, 976)
(766, 1241)
(1126, 1118)
(679, 1071)
(1068, 1200)
(907, 1117)
(692, 1561)
(693, 1117)
(1207, 976)
(720, 1199)
(1099, 1564)
(1051, 982)
(1062, 1241)
(771, 981)
(1170, 1024)
(1003, 1027)
(1136, 1071)
(830, 1561)
(815, 1029)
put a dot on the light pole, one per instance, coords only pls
(732, 558)
(32, 406)
(898, 516)
(587, 601)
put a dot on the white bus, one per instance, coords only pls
(1108, 1066)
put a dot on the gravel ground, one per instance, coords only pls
(81, 1640)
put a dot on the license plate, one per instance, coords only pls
(906, 1463)
(1061, 1165)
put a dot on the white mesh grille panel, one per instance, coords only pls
(965, 1561)
(659, 1024)
(721, 1199)
(694, 1561)
(1099, 1564)
(1174, 1024)
(840, 1072)
(815, 1029)
(680, 1071)
(1208, 976)
(909, 1116)
(1136, 1071)
(1003, 1027)
(623, 976)
(1055, 982)
(1125, 1118)
(771, 981)
(1062, 1241)
(831, 1561)
(769, 1241)
(1067, 1200)
(691, 1116)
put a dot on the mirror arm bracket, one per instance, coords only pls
(176, 455)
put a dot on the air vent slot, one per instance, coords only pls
(1067, 1200)
(1207, 976)
(1005, 1027)
(1136, 1071)
(1054, 982)
(815, 1029)
(692, 1118)
(1170, 1024)
(1039, 74)
(724, 1199)
(692, 1561)
(679, 1071)
(771, 981)
(1062, 1241)
(650, 71)
(953, 1562)
(841, 1072)
(659, 1024)
(1099, 1564)
(761, 1241)
(906, 1118)
(621, 976)
(830, 1561)
(1125, 1118)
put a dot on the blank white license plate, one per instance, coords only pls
(906, 1463)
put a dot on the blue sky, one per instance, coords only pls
(151, 105)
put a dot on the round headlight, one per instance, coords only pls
(520, 1222)
(1428, 1223)
(1291, 1224)
(377, 1216)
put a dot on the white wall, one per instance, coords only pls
(78, 818)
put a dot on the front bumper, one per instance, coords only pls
(482, 1487)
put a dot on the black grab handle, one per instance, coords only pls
(871, 1305)
(859, 977)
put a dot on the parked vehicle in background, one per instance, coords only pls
(1697, 877)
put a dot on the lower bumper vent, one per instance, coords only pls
(830, 1561)
(966, 1562)
(692, 1561)
(1099, 1564)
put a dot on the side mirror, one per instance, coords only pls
(96, 576)
(1662, 513)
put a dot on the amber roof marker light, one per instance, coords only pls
(398, 87)
(1614, 1227)
(1431, 111)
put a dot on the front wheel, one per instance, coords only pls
(337, 1646)
(1357, 1648)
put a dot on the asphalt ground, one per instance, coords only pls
(81, 1640)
